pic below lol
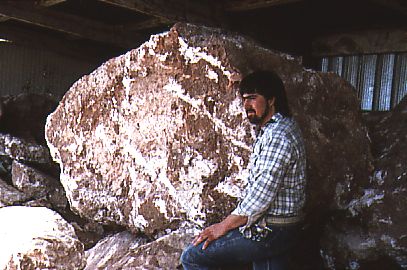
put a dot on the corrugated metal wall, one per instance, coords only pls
(380, 80)
(27, 70)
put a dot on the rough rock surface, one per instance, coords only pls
(155, 139)
(9, 195)
(378, 227)
(158, 135)
(30, 242)
(126, 251)
(37, 184)
(21, 150)
(106, 253)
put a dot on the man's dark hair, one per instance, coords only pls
(269, 85)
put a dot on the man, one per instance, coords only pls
(265, 224)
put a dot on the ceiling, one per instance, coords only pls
(96, 30)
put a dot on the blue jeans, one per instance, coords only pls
(233, 249)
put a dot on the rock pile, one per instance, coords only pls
(32, 235)
(28, 175)
(156, 141)
(372, 233)
(38, 238)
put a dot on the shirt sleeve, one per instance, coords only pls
(268, 170)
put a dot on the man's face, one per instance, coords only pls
(257, 108)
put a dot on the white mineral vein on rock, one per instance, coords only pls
(128, 133)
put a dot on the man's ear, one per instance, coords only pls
(271, 101)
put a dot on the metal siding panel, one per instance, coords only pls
(338, 63)
(350, 70)
(27, 70)
(335, 64)
(400, 79)
(386, 81)
(324, 64)
(367, 80)
(380, 80)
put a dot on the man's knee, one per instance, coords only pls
(190, 255)
(185, 256)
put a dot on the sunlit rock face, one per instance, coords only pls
(36, 185)
(9, 195)
(111, 249)
(127, 251)
(153, 137)
(22, 150)
(37, 238)
(157, 136)
(375, 227)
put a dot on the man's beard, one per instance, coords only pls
(254, 119)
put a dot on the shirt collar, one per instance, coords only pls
(274, 119)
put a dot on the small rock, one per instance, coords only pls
(37, 238)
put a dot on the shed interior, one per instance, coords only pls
(48, 44)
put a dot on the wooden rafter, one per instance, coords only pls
(362, 42)
(3, 18)
(48, 3)
(39, 40)
(206, 11)
(395, 5)
(147, 24)
(45, 3)
(242, 5)
(66, 23)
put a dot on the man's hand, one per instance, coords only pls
(217, 230)
(209, 234)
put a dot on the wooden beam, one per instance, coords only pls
(148, 24)
(203, 11)
(395, 5)
(45, 3)
(366, 42)
(44, 41)
(242, 5)
(48, 3)
(3, 18)
(66, 23)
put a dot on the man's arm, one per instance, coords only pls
(217, 230)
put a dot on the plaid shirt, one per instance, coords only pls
(276, 181)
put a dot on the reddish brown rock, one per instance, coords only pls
(376, 237)
(36, 184)
(127, 251)
(37, 238)
(22, 150)
(9, 195)
(157, 136)
(111, 249)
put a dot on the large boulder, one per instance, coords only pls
(37, 238)
(158, 136)
(375, 227)
(152, 138)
